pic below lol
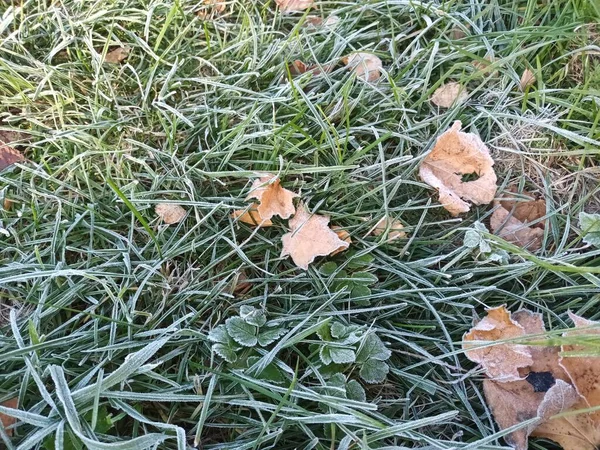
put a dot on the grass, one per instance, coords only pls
(106, 313)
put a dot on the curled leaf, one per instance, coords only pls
(527, 79)
(6, 420)
(118, 55)
(500, 361)
(274, 200)
(294, 5)
(170, 213)
(366, 65)
(297, 67)
(456, 154)
(310, 236)
(449, 94)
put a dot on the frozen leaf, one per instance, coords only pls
(525, 210)
(251, 217)
(252, 315)
(527, 79)
(294, 5)
(517, 401)
(118, 55)
(9, 156)
(344, 236)
(366, 65)
(170, 213)
(449, 94)
(219, 334)
(225, 352)
(273, 199)
(310, 236)
(374, 371)
(324, 355)
(317, 21)
(354, 391)
(393, 227)
(584, 371)
(500, 361)
(241, 332)
(511, 229)
(297, 67)
(270, 335)
(239, 284)
(7, 420)
(342, 355)
(456, 154)
(590, 228)
(373, 348)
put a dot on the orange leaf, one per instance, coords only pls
(310, 236)
(274, 200)
(251, 217)
(455, 154)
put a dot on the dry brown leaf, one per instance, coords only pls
(456, 154)
(170, 213)
(449, 94)
(527, 79)
(525, 210)
(239, 284)
(366, 65)
(310, 236)
(117, 56)
(294, 5)
(394, 227)
(251, 217)
(211, 8)
(274, 200)
(517, 401)
(457, 33)
(298, 67)
(500, 361)
(344, 236)
(9, 156)
(317, 21)
(513, 230)
(7, 420)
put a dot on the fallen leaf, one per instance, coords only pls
(393, 227)
(117, 56)
(584, 371)
(317, 21)
(449, 94)
(456, 154)
(170, 213)
(511, 229)
(485, 66)
(517, 401)
(274, 200)
(525, 210)
(500, 361)
(366, 65)
(344, 236)
(294, 5)
(310, 236)
(239, 284)
(9, 156)
(457, 33)
(251, 216)
(7, 420)
(527, 79)
(211, 8)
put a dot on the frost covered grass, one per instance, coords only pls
(121, 327)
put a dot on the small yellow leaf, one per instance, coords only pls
(274, 200)
(309, 237)
(449, 94)
(170, 213)
(366, 65)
